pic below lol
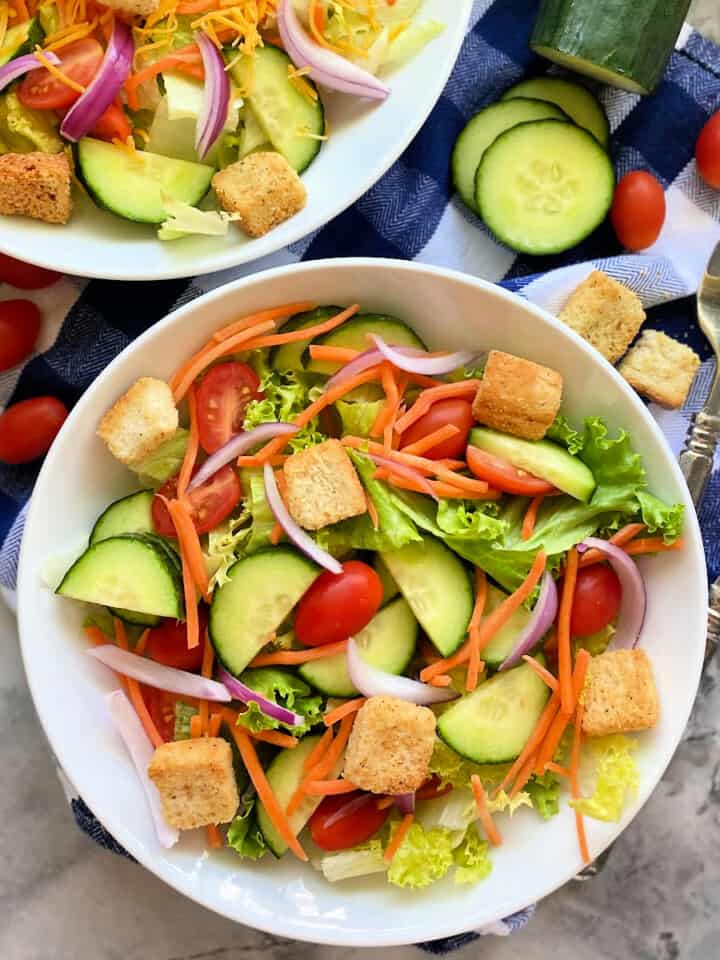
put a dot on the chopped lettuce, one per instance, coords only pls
(286, 394)
(164, 462)
(471, 858)
(609, 762)
(225, 544)
(476, 519)
(262, 519)
(454, 812)
(544, 793)
(423, 857)
(287, 690)
(101, 618)
(453, 769)
(502, 802)
(411, 41)
(596, 643)
(183, 715)
(185, 221)
(244, 835)
(562, 432)
(360, 861)
(660, 517)
(24, 130)
(358, 416)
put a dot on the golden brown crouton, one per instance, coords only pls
(196, 782)
(660, 368)
(390, 746)
(619, 693)
(35, 185)
(322, 486)
(263, 188)
(518, 396)
(140, 421)
(140, 8)
(605, 313)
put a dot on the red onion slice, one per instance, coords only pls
(298, 536)
(543, 616)
(372, 682)
(141, 751)
(238, 445)
(428, 366)
(363, 362)
(271, 709)
(404, 471)
(157, 675)
(405, 802)
(21, 65)
(105, 85)
(634, 597)
(216, 96)
(324, 66)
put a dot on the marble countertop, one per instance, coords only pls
(61, 897)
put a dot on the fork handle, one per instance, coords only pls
(696, 460)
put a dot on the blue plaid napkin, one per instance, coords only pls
(412, 214)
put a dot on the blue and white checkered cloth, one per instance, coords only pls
(412, 214)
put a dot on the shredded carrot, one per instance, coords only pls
(265, 791)
(196, 726)
(372, 511)
(340, 355)
(442, 680)
(193, 445)
(328, 788)
(417, 463)
(393, 396)
(21, 10)
(134, 691)
(563, 632)
(344, 710)
(524, 774)
(574, 787)
(562, 719)
(196, 6)
(214, 837)
(290, 657)
(276, 534)
(390, 388)
(542, 672)
(386, 802)
(530, 518)
(274, 313)
(556, 768)
(189, 544)
(324, 767)
(192, 622)
(446, 491)
(215, 724)
(206, 670)
(619, 539)
(142, 642)
(191, 53)
(491, 831)
(318, 750)
(534, 741)
(252, 461)
(431, 440)
(398, 837)
(276, 738)
(652, 545)
(95, 635)
(297, 336)
(474, 661)
(430, 396)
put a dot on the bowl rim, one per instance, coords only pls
(25, 586)
(234, 256)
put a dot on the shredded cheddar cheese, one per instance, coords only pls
(297, 79)
(56, 72)
(61, 38)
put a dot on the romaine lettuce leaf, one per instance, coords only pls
(660, 517)
(472, 858)
(183, 715)
(184, 220)
(563, 433)
(609, 761)
(225, 544)
(544, 793)
(360, 861)
(287, 690)
(244, 835)
(470, 519)
(261, 516)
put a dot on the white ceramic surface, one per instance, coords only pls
(366, 139)
(79, 478)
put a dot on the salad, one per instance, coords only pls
(368, 600)
(147, 104)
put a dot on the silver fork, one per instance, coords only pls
(696, 462)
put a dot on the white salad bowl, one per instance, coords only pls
(79, 478)
(366, 138)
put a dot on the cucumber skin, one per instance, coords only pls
(575, 99)
(634, 41)
(119, 506)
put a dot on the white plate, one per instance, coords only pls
(365, 140)
(79, 478)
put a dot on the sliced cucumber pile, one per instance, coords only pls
(132, 514)
(353, 335)
(576, 101)
(493, 723)
(290, 356)
(129, 572)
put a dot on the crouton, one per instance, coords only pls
(518, 396)
(140, 421)
(390, 746)
(605, 313)
(619, 694)
(35, 185)
(661, 369)
(138, 8)
(322, 486)
(263, 189)
(196, 782)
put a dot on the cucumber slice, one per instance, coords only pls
(261, 592)
(542, 458)
(544, 186)
(493, 723)
(291, 121)
(576, 101)
(390, 588)
(253, 138)
(133, 186)
(353, 335)
(136, 619)
(130, 514)
(290, 355)
(161, 544)
(484, 128)
(388, 642)
(503, 643)
(126, 572)
(435, 583)
(285, 774)
(20, 40)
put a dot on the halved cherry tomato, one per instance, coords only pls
(597, 600)
(25, 276)
(707, 152)
(209, 503)
(337, 606)
(344, 821)
(167, 643)
(454, 411)
(19, 327)
(504, 476)
(161, 705)
(222, 398)
(638, 210)
(79, 61)
(112, 125)
(28, 428)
